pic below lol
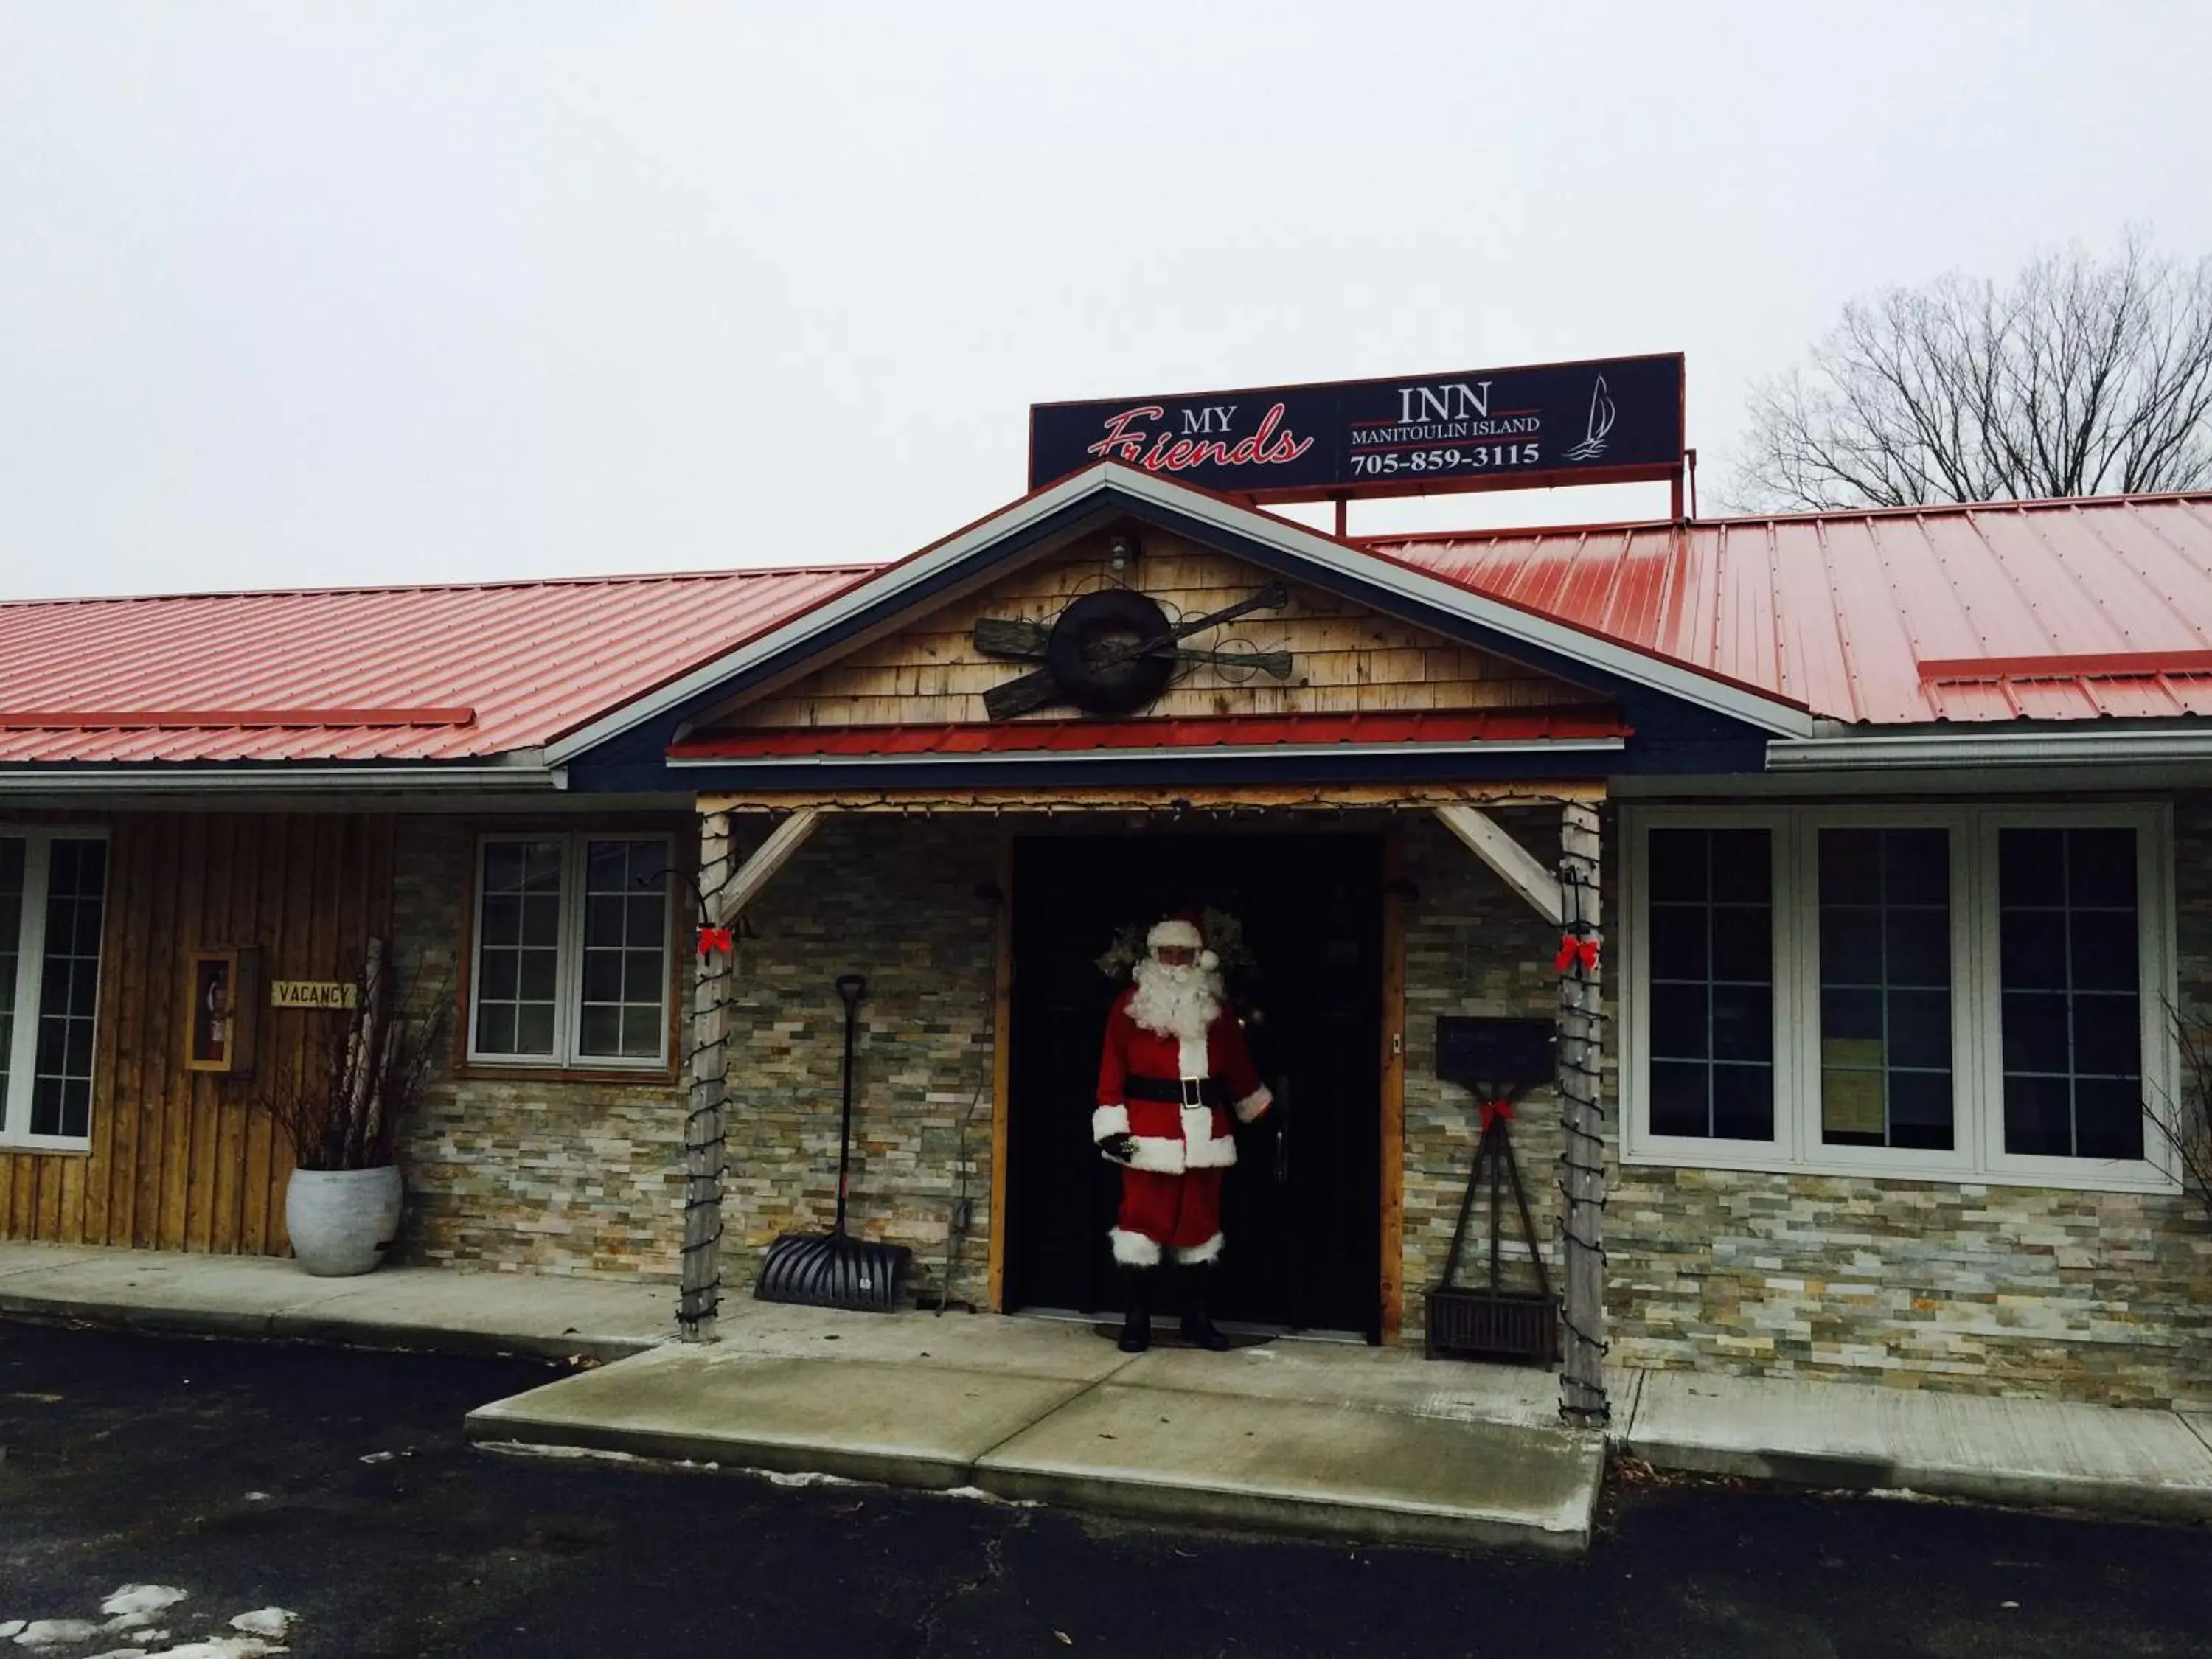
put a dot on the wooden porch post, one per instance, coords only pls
(725, 890)
(699, 1297)
(1580, 1047)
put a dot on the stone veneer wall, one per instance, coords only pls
(894, 899)
(2101, 1297)
(1473, 946)
(1979, 1288)
(544, 1176)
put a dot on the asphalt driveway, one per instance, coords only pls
(334, 1486)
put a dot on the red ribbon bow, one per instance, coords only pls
(1494, 1110)
(716, 938)
(1573, 950)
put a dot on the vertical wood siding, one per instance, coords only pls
(179, 1160)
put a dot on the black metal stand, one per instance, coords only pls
(1519, 1326)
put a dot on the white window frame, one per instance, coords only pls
(569, 972)
(1978, 1155)
(30, 969)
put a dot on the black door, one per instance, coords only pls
(1301, 1208)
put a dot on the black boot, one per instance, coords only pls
(1136, 1311)
(1197, 1330)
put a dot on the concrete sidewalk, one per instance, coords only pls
(429, 1308)
(1322, 1438)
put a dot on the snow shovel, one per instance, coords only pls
(834, 1269)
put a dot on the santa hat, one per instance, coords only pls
(1182, 931)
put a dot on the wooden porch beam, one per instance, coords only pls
(1152, 798)
(724, 903)
(1512, 863)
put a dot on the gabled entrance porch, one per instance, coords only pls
(1466, 909)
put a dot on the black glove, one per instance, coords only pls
(1120, 1148)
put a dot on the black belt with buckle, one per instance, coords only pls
(1183, 1091)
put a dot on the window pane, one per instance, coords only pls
(1681, 1098)
(600, 1031)
(625, 940)
(603, 977)
(1743, 1102)
(11, 929)
(519, 957)
(2108, 1120)
(1680, 1028)
(69, 978)
(1679, 939)
(2071, 1007)
(1885, 1048)
(1711, 927)
(1743, 1023)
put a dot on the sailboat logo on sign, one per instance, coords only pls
(1601, 413)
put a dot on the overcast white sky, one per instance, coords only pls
(298, 294)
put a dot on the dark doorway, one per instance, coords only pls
(1302, 1207)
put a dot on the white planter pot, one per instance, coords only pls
(342, 1220)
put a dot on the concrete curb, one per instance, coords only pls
(2012, 1488)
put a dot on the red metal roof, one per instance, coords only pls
(1849, 612)
(2045, 611)
(1077, 736)
(384, 674)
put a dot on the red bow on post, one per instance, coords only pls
(1573, 950)
(1494, 1110)
(714, 939)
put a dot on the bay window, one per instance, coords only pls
(1963, 992)
(54, 898)
(571, 963)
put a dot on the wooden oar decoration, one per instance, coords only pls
(1114, 651)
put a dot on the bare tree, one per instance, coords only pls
(2082, 378)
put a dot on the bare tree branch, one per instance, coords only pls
(2078, 377)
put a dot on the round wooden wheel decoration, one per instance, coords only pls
(1094, 652)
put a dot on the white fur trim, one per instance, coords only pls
(1197, 1255)
(1208, 962)
(1252, 1106)
(1190, 1054)
(1172, 934)
(1133, 1249)
(1214, 1153)
(1109, 1121)
(1157, 1154)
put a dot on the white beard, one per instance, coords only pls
(1176, 1002)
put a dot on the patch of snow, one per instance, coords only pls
(778, 1478)
(380, 1457)
(10, 1628)
(136, 1605)
(272, 1622)
(525, 1448)
(56, 1632)
(221, 1647)
(256, 1497)
(129, 1653)
(976, 1494)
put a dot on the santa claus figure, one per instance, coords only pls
(1174, 1068)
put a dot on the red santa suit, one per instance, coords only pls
(1173, 1095)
